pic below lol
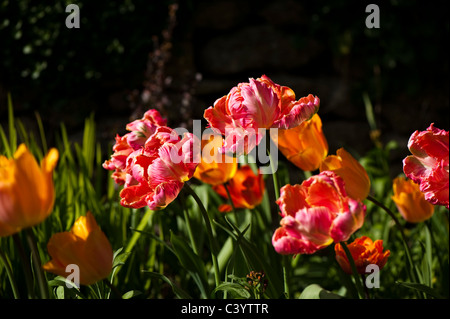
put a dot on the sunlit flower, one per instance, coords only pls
(140, 131)
(215, 168)
(357, 182)
(85, 246)
(411, 201)
(315, 214)
(27, 193)
(156, 172)
(364, 252)
(428, 165)
(304, 145)
(249, 109)
(246, 189)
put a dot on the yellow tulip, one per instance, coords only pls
(26, 190)
(410, 201)
(357, 182)
(215, 168)
(86, 246)
(304, 145)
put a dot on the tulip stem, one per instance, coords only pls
(359, 285)
(214, 247)
(43, 287)
(225, 185)
(189, 227)
(412, 273)
(5, 261)
(112, 288)
(276, 186)
(26, 265)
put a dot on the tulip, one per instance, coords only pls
(428, 165)
(215, 168)
(304, 145)
(315, 214)
(86, 246)
(249, 109)
(27, 193)
(156, 172)
(140, 131)
(246, 189)
(410, 201)
(364, 252)
(357, 182)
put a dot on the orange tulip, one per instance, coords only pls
(215, 168)
(304, 145)
(26, 190)
(86, 246)
(246, 189)
(410, 201)
(364, 252)
(357, 182)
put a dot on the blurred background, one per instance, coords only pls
(180, 56)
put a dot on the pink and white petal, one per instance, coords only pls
(164, 194)
(346, 223)
(300, 111)
(414, 169)
(287, 245)
(313, 224)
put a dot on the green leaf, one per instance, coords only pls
(190, 261)
(130, 294)
(236, 290)
(180, 293)
(65, 288)
(314, 291)
(422, 288)
(120, 258)
(253, 257)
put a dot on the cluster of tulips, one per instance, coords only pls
(153, 162)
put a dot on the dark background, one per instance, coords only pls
(179, 57)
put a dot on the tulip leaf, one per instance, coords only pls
(236, 290)
(422, 288)
(130, 294)
(65, 288)
(190, 261)
(314, 291)
(120, 259)
(180, 293)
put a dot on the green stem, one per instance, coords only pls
(26, 265)
(42, 282)
(359, 285)
(112, 288)
(5, 261)
(189, 228)
(307, 174)
(214, 246)
(285, 278)
(231, 203)
(134, 238)
(276, 186)
(412, 273)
